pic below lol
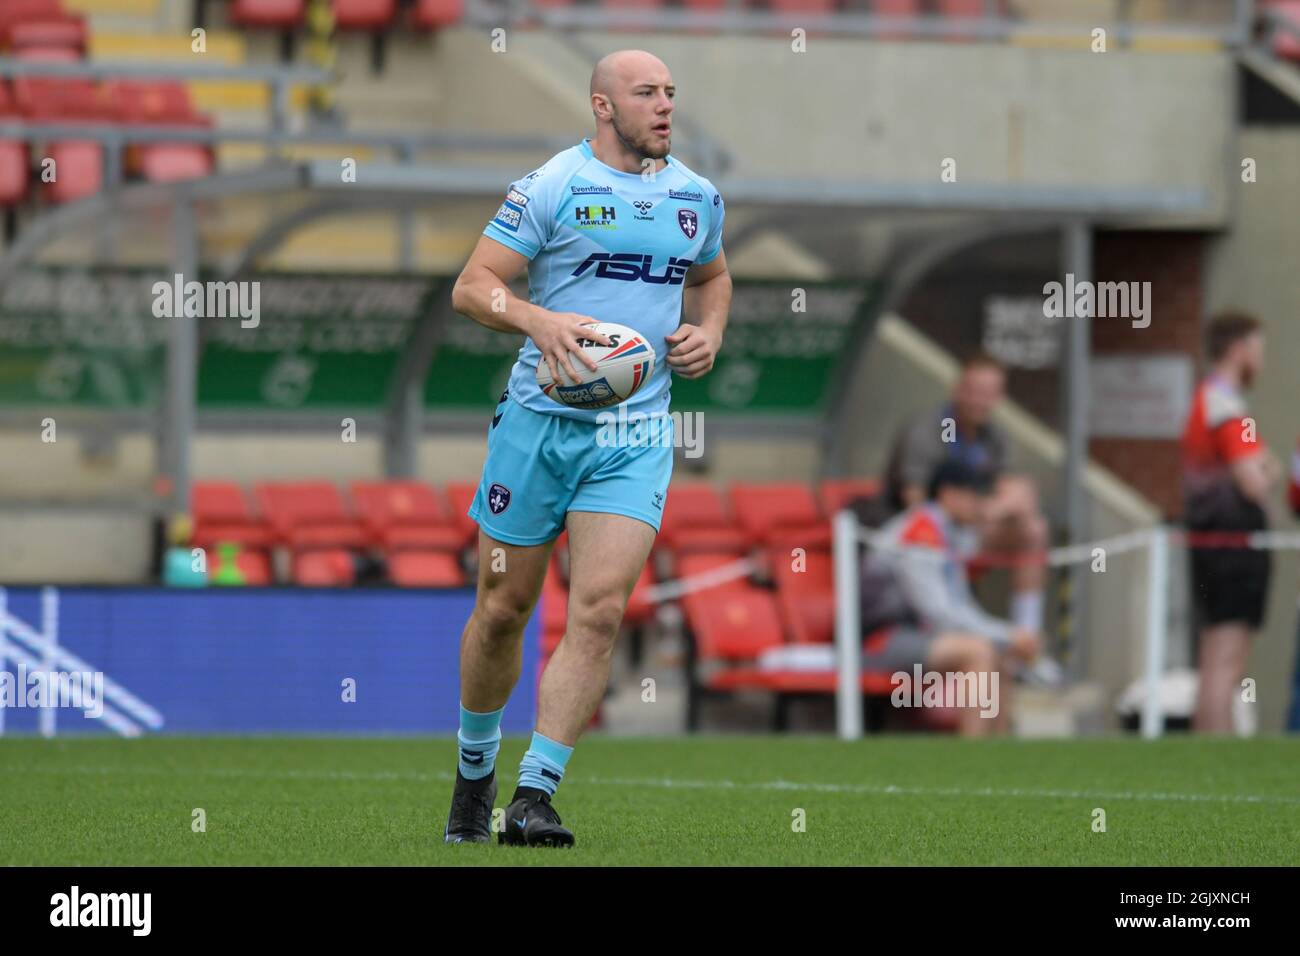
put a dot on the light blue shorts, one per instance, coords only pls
(539, 467)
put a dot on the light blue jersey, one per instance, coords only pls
(610, 245)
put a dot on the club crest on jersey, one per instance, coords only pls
(498, 498)
(689, 222)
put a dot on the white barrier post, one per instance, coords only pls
(50, 631)
(848, 637)
(4, 624)
(1153, 717)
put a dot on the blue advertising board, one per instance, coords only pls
(274, 660)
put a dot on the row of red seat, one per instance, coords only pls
(698, 518)
(360, 15)
(79, 164)
(426, 530)
(379, 15)
(40, 25)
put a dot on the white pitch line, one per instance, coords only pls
(667, 783)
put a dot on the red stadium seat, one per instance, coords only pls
(14, 172)
(221, 513)
(407, 515)
(838, 493)
(64, 32)
(697, 563)
(271, 14)
(324, 568)
(309, 514)
(806, 597)
(162, 104)
(696, 520)
(1286, 44)
(79, 166)
(436, 14)
(732, 623)
(803, 6)
(370, 15)
(781, 510)
(460, 495)
(425, 569)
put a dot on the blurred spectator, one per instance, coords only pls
(961, 430)
(916, 601)
(1228, 474)
(1293, 718)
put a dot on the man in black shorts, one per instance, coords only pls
(1228, 476)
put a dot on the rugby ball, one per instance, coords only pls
(622, 367)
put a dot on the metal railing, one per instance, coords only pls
(1232, 28)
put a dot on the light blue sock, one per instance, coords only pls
(543, 765)
(479, 739)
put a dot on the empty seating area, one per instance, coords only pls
(316, 534)
(364, 16)
(43, 31)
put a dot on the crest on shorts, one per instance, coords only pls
(689, 222)
(498, 498)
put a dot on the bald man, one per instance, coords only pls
(613, 229)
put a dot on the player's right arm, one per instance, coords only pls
(482, 293)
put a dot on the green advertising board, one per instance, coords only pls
(97, 338)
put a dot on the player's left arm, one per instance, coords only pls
(706, 299)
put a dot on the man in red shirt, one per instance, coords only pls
(1293, 717)
(1228, 476)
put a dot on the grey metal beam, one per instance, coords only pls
(181, 393)
(405, 419)
(401, 142)
(252, 73)
(742, 21)
(1134, 201)
(1076, 260)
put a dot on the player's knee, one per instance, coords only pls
(597, 619)
(502, 613)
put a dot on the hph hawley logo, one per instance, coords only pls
(498, 498)
(594, 217)
(689, 222)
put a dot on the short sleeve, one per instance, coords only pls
(524, 222)
(1231, 431)
(1232, 440)
(713, 238)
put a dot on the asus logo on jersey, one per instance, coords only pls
(633, 267)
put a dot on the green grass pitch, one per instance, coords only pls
(693, 800)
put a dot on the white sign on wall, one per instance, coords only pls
(1019, 335)
(1140, 396)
